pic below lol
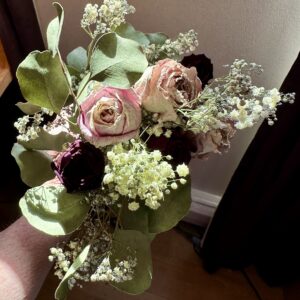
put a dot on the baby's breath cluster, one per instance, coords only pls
(93, 232)
(29, 126)
(123, 271)
(97, 232)
(138, 174)
(106, 18)
(61, 121)
(234, 99)
(204, 117)
(184, 44)
(152, 126)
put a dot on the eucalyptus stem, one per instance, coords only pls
(67, 76)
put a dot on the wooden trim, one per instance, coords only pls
(5, 73)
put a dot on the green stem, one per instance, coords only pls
(67, 76)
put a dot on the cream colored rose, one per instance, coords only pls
(166, 86)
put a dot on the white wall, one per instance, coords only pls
(264, 31)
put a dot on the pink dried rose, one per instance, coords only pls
(215, 141)
(166, 86)
(109, 116)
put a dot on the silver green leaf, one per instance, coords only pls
(87, 88)
(54, 29)
(127, 31)
(134, 220)
(42, 80)
(28, 108)
(158, 38)
(82, 85)
(117, 61)
(62, 290)
(133, 244)
(148, 221)
(47, 141)
(78, 59)
(175, 207)
(35, 166)
(52, 210)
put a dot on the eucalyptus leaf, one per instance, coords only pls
(52, 210)
(73, 72)
(42, 80)
(150, 222)
(157, 38)
(54, 29)
(78, 59)
(47, 141)
(137, 220)
(28, 108)
(131, 243)
(175, 207)
(134, 220)
(35, 166)
(62, 290)
(151, 236)
(127, 31)
(73, 123)
(117, 61)
(86, 91)
(83, 83)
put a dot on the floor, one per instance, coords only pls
(178, 275)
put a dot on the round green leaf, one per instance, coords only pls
(134, 220)
(77, 59)
(148, 221)
(54, 211)
(175, 207)
(87, 89)
(42, 80)
(28, 108)
(47, 141)
(158, 38)
(54, 29)
(35, 166)
(127, 31)
(117, 61)
(63, 289)
(134, 244)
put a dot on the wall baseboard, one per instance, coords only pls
(203, 207)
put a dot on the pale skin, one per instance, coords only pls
(23, 260)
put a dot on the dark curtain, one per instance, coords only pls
(19, 30)
(258, 219)
(20, 34)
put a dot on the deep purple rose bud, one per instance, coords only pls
(203, 65)
(180, 145)
(80, 168)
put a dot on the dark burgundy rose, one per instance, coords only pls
(80, 168)
(180, 145)
(203, 65)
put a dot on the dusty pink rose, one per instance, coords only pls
(110, 116)
(167, 86)
(215, 141)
